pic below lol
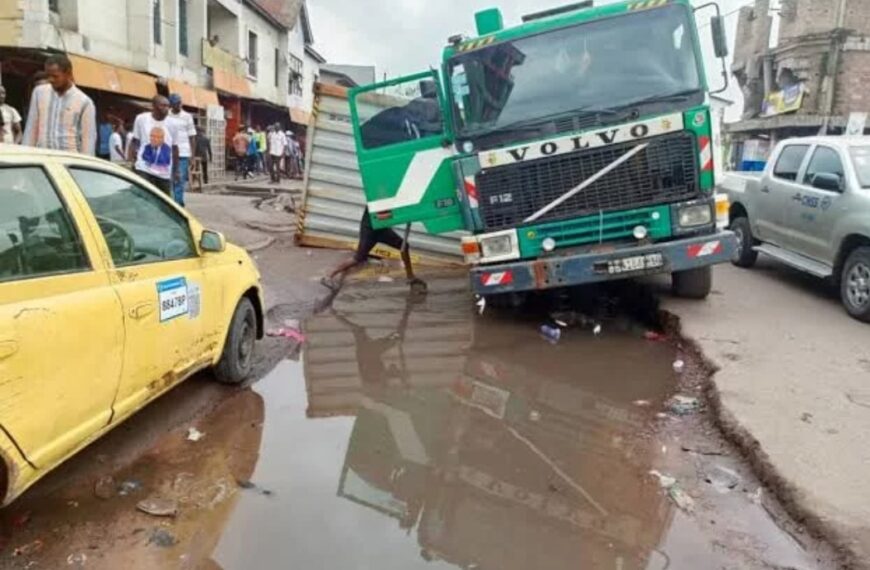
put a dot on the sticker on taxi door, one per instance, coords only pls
(173, 299)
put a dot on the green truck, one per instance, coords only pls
(573, 148)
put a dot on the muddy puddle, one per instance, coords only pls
(415, 433)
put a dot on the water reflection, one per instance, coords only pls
(496, 449)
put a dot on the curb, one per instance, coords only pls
(775, 483)
(262, 244)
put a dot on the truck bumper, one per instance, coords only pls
(576, 269)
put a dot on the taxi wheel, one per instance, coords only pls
(237, 359)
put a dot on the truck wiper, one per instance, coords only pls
(660, 98)
(538, 123)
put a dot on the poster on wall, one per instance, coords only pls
(788, 100)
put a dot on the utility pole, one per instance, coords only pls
(830, 80)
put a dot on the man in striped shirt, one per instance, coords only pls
(61, 116)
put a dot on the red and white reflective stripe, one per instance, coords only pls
(495, 279)
(703, 250)
(706, 153)
(471, 190)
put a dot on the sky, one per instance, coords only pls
(400, 37)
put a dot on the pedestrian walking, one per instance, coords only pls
(128, 138)
(240, 147)
(277, 144)
(262, 147)
(295, 156)
(202, 150)
(368, 239)
(116, 144)
(183, 133)
(253, 152)
(153, 147)
(61, 116)
(105, 130)
(10, 121)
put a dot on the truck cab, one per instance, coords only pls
(572, 148)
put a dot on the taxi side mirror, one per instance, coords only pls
(213, 242)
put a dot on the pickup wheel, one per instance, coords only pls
(744, 255)
(237, 360)
(855, 284)
(693, 284)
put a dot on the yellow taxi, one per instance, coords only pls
(110, 295)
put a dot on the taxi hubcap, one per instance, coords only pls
(858, 285)
(246, 344)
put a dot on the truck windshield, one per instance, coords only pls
(647, 56)
(861, 159)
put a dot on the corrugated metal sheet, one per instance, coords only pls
(333, 199)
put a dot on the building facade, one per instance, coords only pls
(812, 80)
(248, 57)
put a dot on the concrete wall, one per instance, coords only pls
(269, 39)
(803, 17)
(852, 93)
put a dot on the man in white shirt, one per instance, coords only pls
(183, 133)
(10, 121)
(116, 144)
(153, 147)
(277, 145)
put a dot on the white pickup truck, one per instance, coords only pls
(810, 209)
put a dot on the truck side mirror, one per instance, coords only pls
(720, 38)
(827, 181)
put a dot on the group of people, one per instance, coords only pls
(161, 143)
(274, 151)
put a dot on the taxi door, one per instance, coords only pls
(61, 333)
(158, 275)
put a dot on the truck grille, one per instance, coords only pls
(665, 172)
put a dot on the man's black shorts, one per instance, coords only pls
(370, 237)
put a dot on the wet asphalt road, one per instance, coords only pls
(413, 433)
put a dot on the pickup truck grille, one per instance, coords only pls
(666, 171)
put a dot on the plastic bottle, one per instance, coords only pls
(553, 334)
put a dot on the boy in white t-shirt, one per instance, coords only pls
(153, 147)
(116, 144)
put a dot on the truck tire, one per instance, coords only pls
(855, 284)
(744, 256)
(237, 359)
(693, 284)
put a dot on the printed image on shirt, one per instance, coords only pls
(157, 154)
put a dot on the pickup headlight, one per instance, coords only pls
(695, 215)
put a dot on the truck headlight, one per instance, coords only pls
(695, 215)
(496, 246)
(499, 246)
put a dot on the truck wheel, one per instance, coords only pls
(744, 256)
(237, 360)
(855, 284)
(693, 284)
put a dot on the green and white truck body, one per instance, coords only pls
(574, 148)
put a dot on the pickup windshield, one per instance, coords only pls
(595, 67)
(861, 159)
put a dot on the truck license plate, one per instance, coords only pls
(636, 263)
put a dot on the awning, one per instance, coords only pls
(106, 77)
(192, 96)
(206, 97)
(231, 83)
(299, 116)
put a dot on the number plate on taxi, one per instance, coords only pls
(635, 264)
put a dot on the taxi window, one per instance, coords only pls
(139, 227)
(37, 234)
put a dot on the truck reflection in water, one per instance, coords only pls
(499, 450)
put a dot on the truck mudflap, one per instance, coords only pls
(567, 270)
